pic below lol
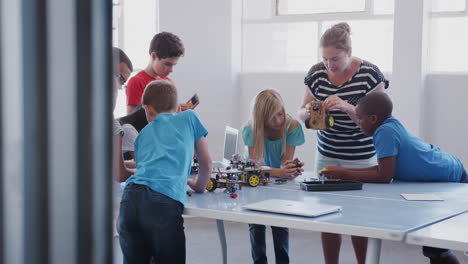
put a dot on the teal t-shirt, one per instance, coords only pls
(416, 160)
(164, 153)
(273, 148)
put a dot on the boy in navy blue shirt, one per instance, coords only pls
(401, 156)
(150, 221)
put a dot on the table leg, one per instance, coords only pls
(222, 239)
(373, 251)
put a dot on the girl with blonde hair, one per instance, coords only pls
(271, 137)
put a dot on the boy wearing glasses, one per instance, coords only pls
(122, 67)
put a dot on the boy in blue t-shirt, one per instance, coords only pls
(401, 156)
(150, 221)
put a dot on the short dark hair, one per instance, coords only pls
(161, 95)
(120, 57)
(377, 103)
(166, 45)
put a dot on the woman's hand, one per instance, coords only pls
(304, 112)
(335, 103)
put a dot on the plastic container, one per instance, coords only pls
(330, 185)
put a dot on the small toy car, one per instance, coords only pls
(226, 178)
(238, 173)
(254, 175)
(319, 117)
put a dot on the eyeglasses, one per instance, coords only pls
(122, 79)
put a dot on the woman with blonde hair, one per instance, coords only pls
(271, 137)
(340, 80)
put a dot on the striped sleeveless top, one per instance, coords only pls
(345, 139)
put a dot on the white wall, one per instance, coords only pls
(444, 115)
(210, 31)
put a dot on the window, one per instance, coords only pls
(276, 47)
(448, 6)
(384, 7)
(134, 24)
(448, 44)
(116, 16)
(448, 41)
(372, 41)
(284, 35)
(139, 27)
(290, 7)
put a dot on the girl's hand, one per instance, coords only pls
(335, 172)
(289, 170)
(298, 166)
(301, 164)
(335, 103)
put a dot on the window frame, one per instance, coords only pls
(446, 14)
(319, 18)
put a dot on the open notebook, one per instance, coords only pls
(310, 209)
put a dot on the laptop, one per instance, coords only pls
(309, 208)
(231, 136)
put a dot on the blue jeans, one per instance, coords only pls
(150, 225)
(258, 245)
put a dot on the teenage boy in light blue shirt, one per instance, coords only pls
(150, 220)
(401, 156)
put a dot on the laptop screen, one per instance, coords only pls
(230, 143)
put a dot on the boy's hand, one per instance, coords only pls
(192, 182)
(334, 172)
(182, 107)
(130, 164)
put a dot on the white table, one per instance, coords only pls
(452, 193)
(377, 211)
(451, 233)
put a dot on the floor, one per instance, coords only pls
(305, 247)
